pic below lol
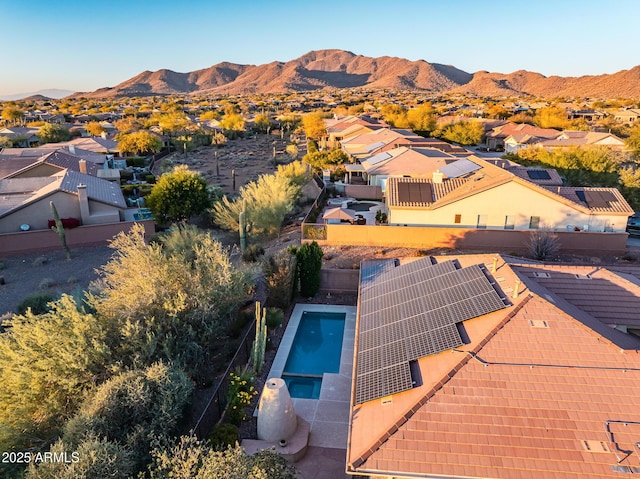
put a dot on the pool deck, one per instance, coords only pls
(329, 415)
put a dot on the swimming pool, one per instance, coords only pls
(316, 349)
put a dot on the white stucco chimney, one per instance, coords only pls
(83, 166)
(437, 176)
(83, 200)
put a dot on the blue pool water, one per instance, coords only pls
(316, 349)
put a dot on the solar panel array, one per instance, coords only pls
(411, 311)
(596, 198)
(414, 192)
(459, 168)
(538, 174)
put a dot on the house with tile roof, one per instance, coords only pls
(21, 136)
(95, 144)
(49, 164)
(403, 162)
(628, 115)
(476, 366)
(570, 138)
(24, 200)
(497, 137)
(341, 128)
(473, 193)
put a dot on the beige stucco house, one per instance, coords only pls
(473, 193)
(25, 201)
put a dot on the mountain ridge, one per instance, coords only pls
(343, 69)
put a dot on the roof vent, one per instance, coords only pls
(595, 446)
(538, 323)
(583, 276)
(541, 275)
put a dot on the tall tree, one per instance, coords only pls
(94, 128)
(51, 133)
(423, 118)
(12, 115)
(313, 125)
(179, 195)
(139, 142)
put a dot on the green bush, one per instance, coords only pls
(309, 257)
(39, 303)
(150, 179)
(224, 435)
(137, 161)
(280, 274)
(252, 253)
(239, 396)
(275, 317)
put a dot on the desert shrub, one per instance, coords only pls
(133, 409)
(136, 161)
(542, 245)
(280, 274)
(46, 283)
(239, 396)
(252, 253)
(39, 261)
(223, 436)
(39, 303)
(274, 317)
(92, 458)
(309, 257)
(150, 179)
(244, 317)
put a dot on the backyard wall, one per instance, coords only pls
(465, 238)
(42, 240)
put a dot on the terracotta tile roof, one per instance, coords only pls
(406, 161)
(536, 393)
(503, 131)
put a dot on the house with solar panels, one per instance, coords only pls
(477, 366)
(473, 193)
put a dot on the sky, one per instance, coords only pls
(88, 44)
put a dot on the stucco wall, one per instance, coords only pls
(510, 199)
(469, 239)
(38, 214)
(33, 241)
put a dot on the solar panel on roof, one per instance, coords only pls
(459, 168)
(414, 192)
(411, 311)
(581, 196)
(599, 199)
(538, 174)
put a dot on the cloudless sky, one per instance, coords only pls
(84, 45)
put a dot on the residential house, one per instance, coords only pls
(495, 139)
(51, 164)
(26, 200)
(474, 193)
(341, 128)
(403, 162)
(584, 138)
(21, 136)
(628, 116)
(99, 144)
(585, 114)
(474, 367)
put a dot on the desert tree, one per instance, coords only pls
(313, 125)
(139, 142)
(51, 133)
(94, 128)
(178, 195)
(168, 303)
(422, 118)
(233, 125)
(632, 143)
(267, 200)
(47, 362)
(551, 117)
(12, 115)
(463, 132)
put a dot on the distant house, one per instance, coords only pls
(25, 200)
(475, 367)
(584, 138)
(628, 116)
(473, 193)
(50, 164)
(495, 139)
(100, 144)
(21, 136)
(341, 128)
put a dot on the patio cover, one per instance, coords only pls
(339, 214)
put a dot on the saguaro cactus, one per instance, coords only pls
(59, 228)
(260, 342)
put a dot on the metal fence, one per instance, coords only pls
(218, 400)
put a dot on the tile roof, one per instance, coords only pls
(406, 161)
(503, 131)
(536, 392)
(490, 176)
(58, 158)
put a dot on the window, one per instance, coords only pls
(457, 219)
(509, 222)
(534, 222)
(482, 221)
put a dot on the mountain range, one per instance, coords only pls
(37, 95)
(343, 69)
